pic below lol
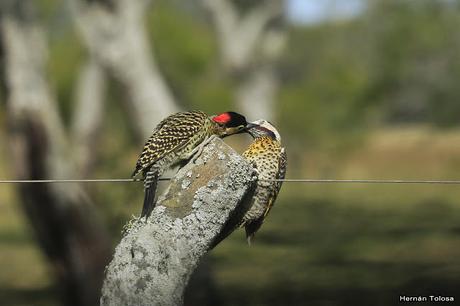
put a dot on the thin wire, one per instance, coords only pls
(311, 181)
(360, 181)
(104, 180)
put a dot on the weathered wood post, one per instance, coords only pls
(203, 203)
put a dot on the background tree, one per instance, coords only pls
(251, 39)
(66, 225)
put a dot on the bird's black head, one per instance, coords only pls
(230, 123)
(230, 119)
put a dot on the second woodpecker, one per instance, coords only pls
(269, 159)
(178, 138)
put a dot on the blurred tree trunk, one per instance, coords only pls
(88, 114)
(251, 39)
(114, 33)
(66, 225)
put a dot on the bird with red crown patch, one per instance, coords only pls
(177, 138)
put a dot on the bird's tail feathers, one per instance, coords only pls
(251, 229)
(150, 186)
(249, 239)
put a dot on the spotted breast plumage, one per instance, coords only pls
(270, 161)
(177, 138)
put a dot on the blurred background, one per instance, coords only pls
(358, 89)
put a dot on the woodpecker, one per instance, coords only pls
(269, 159)
(176, 139)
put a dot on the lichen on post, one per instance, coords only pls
(201, 206)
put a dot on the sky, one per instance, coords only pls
(315, 11)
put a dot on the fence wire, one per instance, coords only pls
(288, 180)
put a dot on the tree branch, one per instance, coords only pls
(202, 205)
(249, 44)
(240, 35)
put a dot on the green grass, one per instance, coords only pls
(321, 244)
(24, 278)
(314, 249)
(348, 244)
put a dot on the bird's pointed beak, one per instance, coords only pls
(250, 125)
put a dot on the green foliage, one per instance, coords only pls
(47, 8)
(187, 55)
(417, 60)
(398, 62)
(65, 59)
(324, 77)
(65, 55)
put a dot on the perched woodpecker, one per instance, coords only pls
(176, 139)
(269, 159)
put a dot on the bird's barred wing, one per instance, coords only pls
(281, 174)
(282, 167)
(172, 133)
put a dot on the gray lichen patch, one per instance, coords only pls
(185, 184)
(221, 156)
(211, 184)
(178, 198)
(134, 224)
